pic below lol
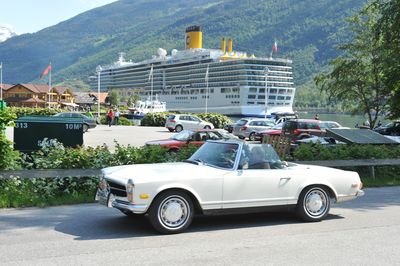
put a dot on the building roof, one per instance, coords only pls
(7, 86)
(37, 88)
(89, 97)
(84, 98)
(62, 90)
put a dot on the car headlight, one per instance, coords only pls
(129, 190)
(103, 184)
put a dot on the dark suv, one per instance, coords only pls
(301, 129)
(392, 129)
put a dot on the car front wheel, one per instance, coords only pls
(171, 212)
(313, 204)
(207, 127)
(252, 136)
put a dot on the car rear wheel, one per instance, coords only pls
(171, 212)
(178, 128)
(252, 136)
(314, 204)
(207, 127)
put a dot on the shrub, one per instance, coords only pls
(123, 121)
(218, 120)
(28, 111)
(309, 152)
(154, 119)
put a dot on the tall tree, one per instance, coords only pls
(356, 77)
(388, 30)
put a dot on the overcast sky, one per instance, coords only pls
(28, 16)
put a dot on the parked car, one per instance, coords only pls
(221, 177)
(281, 117)
(324, 125)
(391, 129)
(248, 127)
(229, 127)
(275, 130)
(326, 141)
(88, 122)
(302, 128)
(186, 137)
(182, 121)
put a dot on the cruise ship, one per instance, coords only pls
(200, 80)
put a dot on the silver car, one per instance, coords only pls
(183, 121)
(248, 127)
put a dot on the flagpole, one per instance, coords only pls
(49, 85)
(265, 93)
(1, 81)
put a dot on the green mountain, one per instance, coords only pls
(306, 31)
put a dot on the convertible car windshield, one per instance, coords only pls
(224, 155)
(219, 154)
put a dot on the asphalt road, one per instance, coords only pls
(365, 231)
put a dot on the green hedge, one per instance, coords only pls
(311, 152)
(16, 192)
(154, 119)
(123, 121)
(28, 111)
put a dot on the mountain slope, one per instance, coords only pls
(306, 32)
(6, 33)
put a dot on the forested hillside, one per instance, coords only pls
(306, 32)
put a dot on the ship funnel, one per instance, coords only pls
(230, 45)
(194, 37)
(223, 45)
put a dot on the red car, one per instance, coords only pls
(275, 130)
(186, 137)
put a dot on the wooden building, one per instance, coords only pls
(37, 95)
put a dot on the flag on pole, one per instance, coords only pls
(275, 47)
(45, 72)
(151, 72)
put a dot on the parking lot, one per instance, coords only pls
(124, 135)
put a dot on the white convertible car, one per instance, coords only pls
(222, 177)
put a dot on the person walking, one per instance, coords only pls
(110, 116)
(116, 117)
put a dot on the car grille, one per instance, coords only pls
(117, 189)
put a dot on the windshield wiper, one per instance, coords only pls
(192, 162)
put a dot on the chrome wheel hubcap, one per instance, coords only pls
(173, 212)
(316, 202)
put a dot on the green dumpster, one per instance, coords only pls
(29, 131)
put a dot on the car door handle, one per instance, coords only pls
(286, 178)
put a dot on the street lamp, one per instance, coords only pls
(266, 72)
(98, 70)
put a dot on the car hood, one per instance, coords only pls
(163, 142)
(145, 173)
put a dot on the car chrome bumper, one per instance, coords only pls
(104, 197)
(359, 193)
